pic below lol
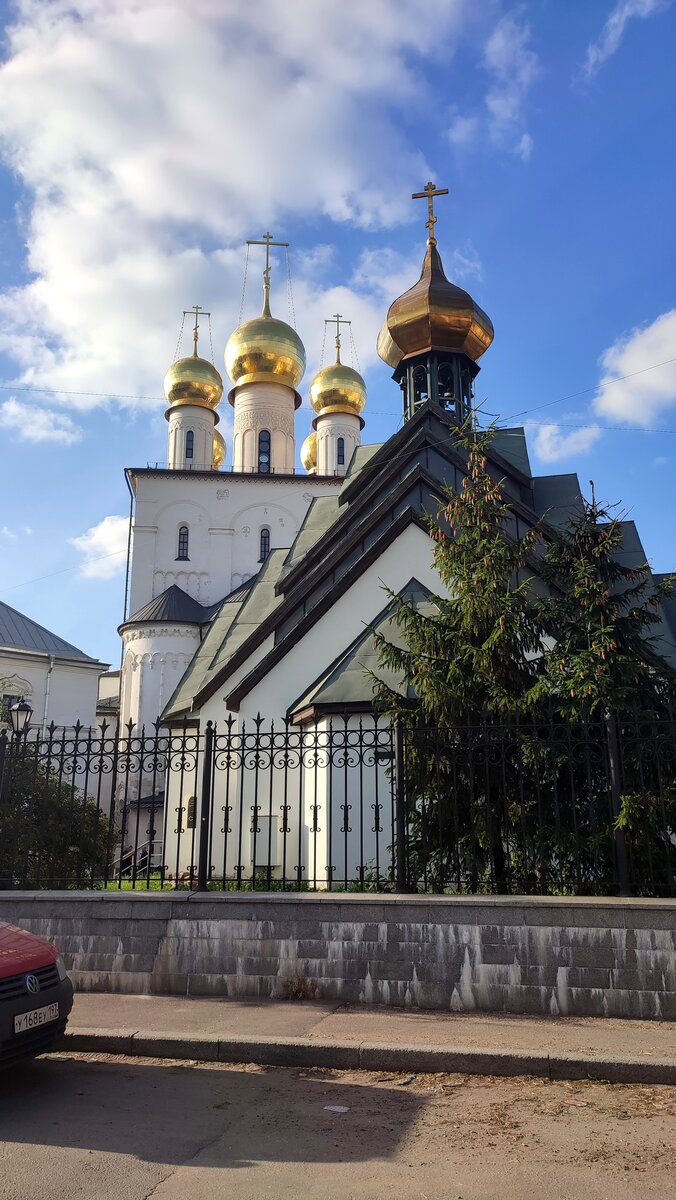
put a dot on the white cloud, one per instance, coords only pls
(32, 424)
(644, 398)
(513, 67)
(553, 442)
(8, 533)
(103, 547)
(152, 138)
(608, 41)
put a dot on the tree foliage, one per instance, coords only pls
(506, 684)
(51, 834)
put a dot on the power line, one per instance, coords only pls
(33, 389)
(62, 571)
(585, 391)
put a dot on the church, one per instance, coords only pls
(254, 587)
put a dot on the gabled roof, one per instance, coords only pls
(18, 632)
(398, 484)
(210, 652)
(173, 605)
(345, 683)
(392, 487)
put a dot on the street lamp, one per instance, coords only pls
(20, 715)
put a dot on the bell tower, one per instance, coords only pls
(435, 333)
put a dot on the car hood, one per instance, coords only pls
(23, 951)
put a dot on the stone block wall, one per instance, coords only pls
(583, 957)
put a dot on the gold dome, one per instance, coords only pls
(265, 350)
(193, 380)
(338, 389)
(308, 454)
(218, 451)
(434, 315)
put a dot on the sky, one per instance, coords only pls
(143, 141)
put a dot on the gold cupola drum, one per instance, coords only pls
(265, 360)
(193, 388)
(435, 333)
(338, 396)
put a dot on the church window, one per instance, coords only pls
(189, 444)
(340, 452)
(265, 544)
(419, 386)
(183, 542)
(264, 452)
(445, 382)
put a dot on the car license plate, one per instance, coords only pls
(37, 1016)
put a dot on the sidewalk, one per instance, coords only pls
(303, 1034)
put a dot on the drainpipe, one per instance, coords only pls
(47, 690)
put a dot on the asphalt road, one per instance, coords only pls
(73, 1126)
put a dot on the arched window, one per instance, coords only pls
(445, 382)
(420, 393)
(189, 444)
(264, 452)
(183, 542)
(265, 544)
(340, 452)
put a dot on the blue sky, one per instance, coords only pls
(142, 142)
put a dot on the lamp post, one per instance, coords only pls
(20, 715)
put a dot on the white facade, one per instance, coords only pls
(338, 435)
(59, 689)
(264, 408)
(226, 520)
(335, 851)
(155, 659)
(190, 437)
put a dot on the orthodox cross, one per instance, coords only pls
(430, 191)
(266, 241)
(198, 311)
(337, 319)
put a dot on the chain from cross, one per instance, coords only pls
(198, 311)
(430, 191)
(337, 319)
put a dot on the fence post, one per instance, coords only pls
(401, 865)
(205, 809)
(624, 887)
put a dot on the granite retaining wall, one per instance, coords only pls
(583, 957)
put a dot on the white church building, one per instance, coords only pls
(255, 587)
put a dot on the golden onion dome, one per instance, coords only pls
(218, 451)
(338, 389)
(434, 315)
(308, 454)
(265, 350)
(193, 380)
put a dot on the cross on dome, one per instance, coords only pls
(198, 311)
(429, 192)
(267, 241)
(337, 319)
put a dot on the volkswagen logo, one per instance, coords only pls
(32, 984)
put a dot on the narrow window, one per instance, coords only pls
(189, 443)
(340, 451)
(183, 542)
(264, 452)
(265, 544)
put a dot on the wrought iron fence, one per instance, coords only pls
(351, 803)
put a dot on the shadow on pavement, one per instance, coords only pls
(230, 1116)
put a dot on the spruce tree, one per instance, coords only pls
(469, 664)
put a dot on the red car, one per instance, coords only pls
(36, 995)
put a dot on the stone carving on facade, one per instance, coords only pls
(265, 418)
(150, 631)
(222, 493)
